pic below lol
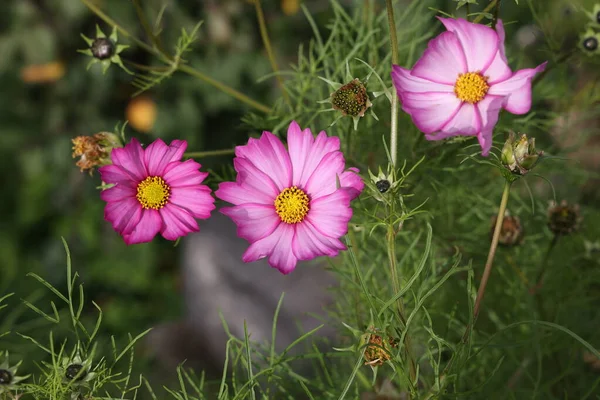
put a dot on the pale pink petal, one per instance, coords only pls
(466, 122)
(254, 179)
(479, 42)
(330, 214)
(131, 159)
(430, 111)
(501, 37)
(176, 222)
(498, 70)
(323, 181)
(352, 181)
(307, 243)
(123, 215)
(186, 173)
(195, 199)
(117, 193)
(115, 174)
(278, 246)
(442, 61)
(517, 89)
(307, 153)
(157, 155)
(270, 157)
(404, 81)
(489, 109)
(254, 221)
(236, 194)
(148, 226)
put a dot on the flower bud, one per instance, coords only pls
(74, 372)
(351, 99)
(378, 349)
(511, 233)
(520, 156)
(563, 219)
(94, 150)
(102, 48)
(589, 42)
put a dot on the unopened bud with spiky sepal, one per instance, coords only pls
(520, 156)
(104, 50)
(94, 151)
(594, 17)
(383, 185)
(78, 373)
(9, 380)
(589, 42)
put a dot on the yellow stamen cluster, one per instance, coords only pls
(292, 205)
(153, 192)
(471, 87)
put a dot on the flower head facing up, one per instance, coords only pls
(154, 191)
(287, 202)
(462, 81)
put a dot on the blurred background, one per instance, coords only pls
(48, 97)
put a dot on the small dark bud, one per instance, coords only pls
(563, 219)
(383, 185)
(102, 48)
(73, 370)
(5, 377)
(598, 17)
(590, 43)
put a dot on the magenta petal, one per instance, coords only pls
(479, 42)
(307, 243)
(517, 89)
(330, 214)
(404, 81)
(195, 199)
(130, 158)
(430, 111)
(115, 174)
(186, 173)
(254, 221)
(351, 181)
(270, 157)
(235, 193)
(148, 226)
(157, 155)
(489, 109)
(176, 222)
(123, 215)
(278, 246)
(442, 61)
(117, 193)
(324, 178)
(466, 122)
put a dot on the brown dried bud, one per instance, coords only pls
(378, 349)
(351, 99)
(563, 219)
(511, 233)
(94, 151)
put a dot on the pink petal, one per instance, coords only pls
(442, 61)
(115, 174)
(352, 181)
(270, 157)
(466, 122)
(117, 193)
(498, 70)
(195, 199)
(254, 179)
(176, 222)
(157, 155)
(123, 215)
(323, 181)
(278, 246)
(307, 153)
(330, 214)
(131, 159)
(479, 42)
(307, 243)
(518, 89)
(501, 37)
(254, 221)
(489, 109)
(405, 82)
(430, 111)
(148, 226)
(235, 193)
(180, 174)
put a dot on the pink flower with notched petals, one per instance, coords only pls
(154, 191)
(461, 83)
(287, 203)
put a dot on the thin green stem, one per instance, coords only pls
(485, 10)
(496, 13)
(490, 259)
(544, 264)
(264, 33)
(209, 153)
(395, 60)
(468, 5)
(153, 38)
(181, 67)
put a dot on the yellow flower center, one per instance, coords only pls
(292, 205)
(153, 192)
(471, 87)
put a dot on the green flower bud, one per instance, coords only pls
(519, 157)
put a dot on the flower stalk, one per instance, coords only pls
(395, 60)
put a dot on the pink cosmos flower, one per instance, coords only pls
(461, 82)
(154, 192)
(288, 205)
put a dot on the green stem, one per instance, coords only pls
(485, 10)
(496, 13)
(544, 264)
(209, 153)
(395, 60)
(468, 5)
(183, 68)
(490, 260)
(267, 43)
(153, 38)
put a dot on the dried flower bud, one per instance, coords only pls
(102, 48)
(511, 233)
(378, 349)
(94, 150)
(351, 99)
(563, 219)
(520, 156)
